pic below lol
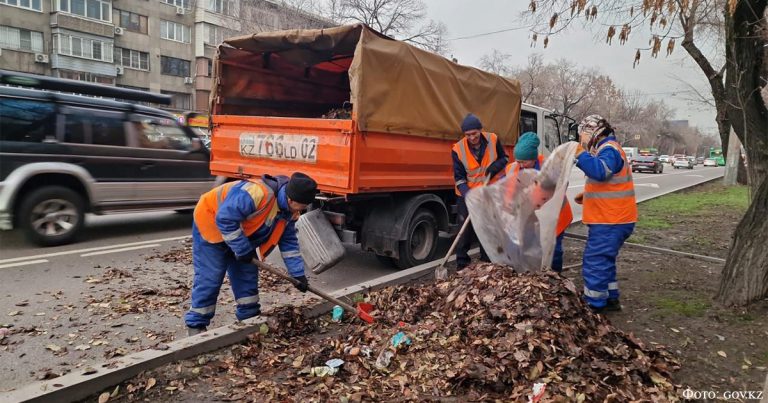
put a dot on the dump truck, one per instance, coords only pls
(370, 118)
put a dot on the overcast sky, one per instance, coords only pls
(652, 77)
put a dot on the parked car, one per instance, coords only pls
(66, 155)
(710, 162)
(699, 160)
(682, 163)
(692, 159)
(647, 163)
(664, 158)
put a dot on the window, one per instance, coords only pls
(89, 77)
(172, 66)
(26, 120)
(76, 128)
(210, 67)
(528, 122)
(133, 59)
(160, 133)
(179, 100)
(36, 5)
(226, 7)
(93, 9)
(174, 32)
(177, 3)
(21, 39)
(131, 21)
(107, 129)
(82, 47)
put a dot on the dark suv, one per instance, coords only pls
(647, 163)
(62, 156)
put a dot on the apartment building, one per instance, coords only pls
(164, 46)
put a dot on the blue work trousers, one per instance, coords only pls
(211, 261)
(599, 262)
(557, 257)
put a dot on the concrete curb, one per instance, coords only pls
(583, 238)
(76, 386)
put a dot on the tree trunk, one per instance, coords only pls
(745, 275)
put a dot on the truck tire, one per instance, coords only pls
(52, 215)
(421, 240)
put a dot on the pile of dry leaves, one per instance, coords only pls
(487, 333)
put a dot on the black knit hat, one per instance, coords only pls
(301, 188)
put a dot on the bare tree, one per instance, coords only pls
(405, 20)
(497, 63)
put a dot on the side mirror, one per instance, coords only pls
(573, 132)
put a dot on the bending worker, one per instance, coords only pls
(477, 156)
(610, 210)
(230, 222)
(527, 157)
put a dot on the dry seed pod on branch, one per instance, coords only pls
(624, 35)
(611, 33)
(553, 20)
(532, 6)
(637, 59)
(670, 46)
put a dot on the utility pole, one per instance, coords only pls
(732, 160)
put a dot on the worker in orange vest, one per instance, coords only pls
(232, 222)
(610, 210)
(475, 157)
(527, 157)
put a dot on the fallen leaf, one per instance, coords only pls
(722, 354)
(104, 397)
(89, 371)
(53, 348)
(674, 330)
(14, 313)
(82, 347)
(150, 383)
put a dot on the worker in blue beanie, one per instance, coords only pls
(527, 157)
(477, 156)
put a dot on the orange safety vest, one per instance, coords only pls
(266, 211)
(611, 201)
(566, 215)
(476, 170)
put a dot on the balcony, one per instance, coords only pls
(76, 23)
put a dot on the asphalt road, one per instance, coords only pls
(46, 290)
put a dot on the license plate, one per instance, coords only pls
(290, 147)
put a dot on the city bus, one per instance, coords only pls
(717, 155)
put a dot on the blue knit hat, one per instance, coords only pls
(471, 122)
(527, 147)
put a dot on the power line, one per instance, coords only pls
(492, 32)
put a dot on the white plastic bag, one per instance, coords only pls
(516, 218)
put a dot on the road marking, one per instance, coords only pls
(695, 176)
(650, 185)
(72, 252)
(4, 266)
(104, 252)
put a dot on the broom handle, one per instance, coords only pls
(322, 294)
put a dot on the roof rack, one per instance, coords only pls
(80, 87)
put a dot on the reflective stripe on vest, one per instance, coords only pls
(611, 201)
(266, 211)
(566, 214)
(476, 169)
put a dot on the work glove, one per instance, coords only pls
(303, 284)
(579, 199)
(248, 257)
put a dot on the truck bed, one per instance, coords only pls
(340, 158)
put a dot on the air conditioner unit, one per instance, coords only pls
(187, 80)
(180, 11)
(41, 58)
(119, 70)
(119, 30)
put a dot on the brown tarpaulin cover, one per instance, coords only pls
(396, 87)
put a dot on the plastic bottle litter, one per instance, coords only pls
(537, 392)
(337, 313)
(384, 359)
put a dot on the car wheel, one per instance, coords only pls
(421, 243)
(52, 215)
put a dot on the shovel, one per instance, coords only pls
(360, 311)
(441, 273)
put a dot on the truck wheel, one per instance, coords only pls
(421, 242)
(52, 215)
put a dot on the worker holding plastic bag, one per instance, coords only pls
(516, 219)
(527, 157)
